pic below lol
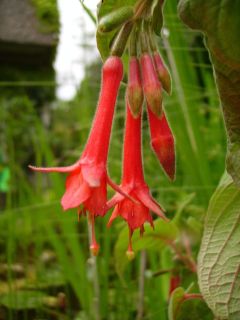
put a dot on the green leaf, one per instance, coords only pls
(180, 308)
(22, 300)
(152, 239)
(219, 256)
(105, 40)
(175, 302)
(157, 18)
(219, 20)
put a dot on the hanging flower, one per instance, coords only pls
(86, 185)
(137, 212)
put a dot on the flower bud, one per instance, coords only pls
(151, 86)
(162, 72)
(115, 19)
(134, 88)
(162, 142)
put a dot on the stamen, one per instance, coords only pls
(94, 247)
(130, 253)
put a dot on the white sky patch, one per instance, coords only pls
(77, 46)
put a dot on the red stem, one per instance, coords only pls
(188, 296)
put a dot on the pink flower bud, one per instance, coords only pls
(162, 141)
(162, 72)
(134, 88)
(151, 86)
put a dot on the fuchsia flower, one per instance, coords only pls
(86, 184)
(138, 212)
(162, 141)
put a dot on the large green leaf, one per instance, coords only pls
(219, 257)
(153, 239)
(219, 20)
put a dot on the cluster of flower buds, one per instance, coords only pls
(86, 185)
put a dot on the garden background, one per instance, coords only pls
(46, 271)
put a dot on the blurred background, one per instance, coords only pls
(50, 73)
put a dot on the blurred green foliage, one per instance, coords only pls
(47, 13)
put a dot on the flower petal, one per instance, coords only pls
(123, 191)
(135, 214)
(93, 174)
(96, 203)
(144, 196)
(115, 200)
(56, 169)
(114, 215)
(77, 191)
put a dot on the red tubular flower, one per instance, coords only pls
(162, 72)
(162, 141)
(138, 212)
(86, 184)
(151, 86)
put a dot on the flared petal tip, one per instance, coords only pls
(32, 167)
(65, 206)
(113, 217)
(169, 168)
(40, 169)
(55, 169)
